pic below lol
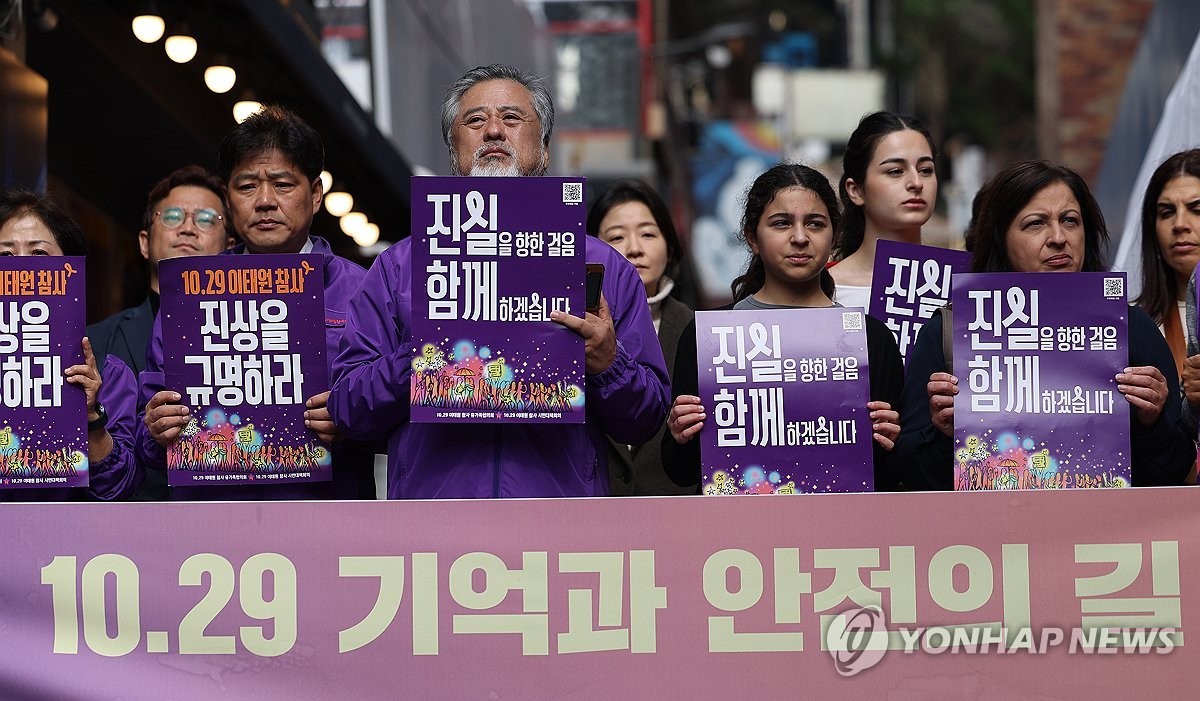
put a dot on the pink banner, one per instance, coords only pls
(1027, 594)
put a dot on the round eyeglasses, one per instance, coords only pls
(174, 217)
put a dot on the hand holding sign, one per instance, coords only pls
(598, 333)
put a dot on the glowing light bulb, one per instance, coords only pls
(339, 204)
(353, 223)
(243, 109)
(220, 79)
(180, 48)
(148, 28)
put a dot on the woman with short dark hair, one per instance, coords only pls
(633, 219)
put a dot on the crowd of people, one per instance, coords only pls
(809, 248)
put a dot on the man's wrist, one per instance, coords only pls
(100, 422)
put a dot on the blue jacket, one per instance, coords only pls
(370, 398)
(353, 465)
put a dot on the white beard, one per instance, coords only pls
(495, 170)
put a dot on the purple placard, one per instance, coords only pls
(909, 283)
(43, 435)
(786, 391)
(244, 343)
(1037, 356)
(492, 257)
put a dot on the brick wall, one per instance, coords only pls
(1084, 51)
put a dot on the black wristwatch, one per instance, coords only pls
(101, 420)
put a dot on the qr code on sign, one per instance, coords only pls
(852, 321)
(572, 193)
(1114, 288)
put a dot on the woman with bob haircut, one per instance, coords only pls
(632, 218)
(1039, 217)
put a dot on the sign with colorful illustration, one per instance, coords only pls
(786, 393)
(1037, 357)
(909, 284)
(492, 257)
(244, 336)
(43, 428)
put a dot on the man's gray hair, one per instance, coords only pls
(543, 104)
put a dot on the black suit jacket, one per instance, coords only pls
(125, 335)
(638, 470)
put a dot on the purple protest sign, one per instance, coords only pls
(909, 284)
(43, 431)
(1038, 406)
(787, 392)
(244, 343)
(492, 257)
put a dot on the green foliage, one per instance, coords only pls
(980, 54)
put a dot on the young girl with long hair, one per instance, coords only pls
(790, 220)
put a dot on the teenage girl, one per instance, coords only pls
(790, 220)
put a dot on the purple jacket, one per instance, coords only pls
(118, 474)
(353, 464)
(628, 401)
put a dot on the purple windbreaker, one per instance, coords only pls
(628, 401)
(353, 465)
(118, 474)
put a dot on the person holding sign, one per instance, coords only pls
(1038, 217)
(35, 225)
(497, 120)
(789, 223)
(185, 215)
(888, 189)
(271, 165)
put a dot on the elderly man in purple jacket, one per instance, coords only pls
(271, 164)
(497, 120)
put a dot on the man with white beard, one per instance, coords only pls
(497, 121)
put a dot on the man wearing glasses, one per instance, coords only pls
(185, 216)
